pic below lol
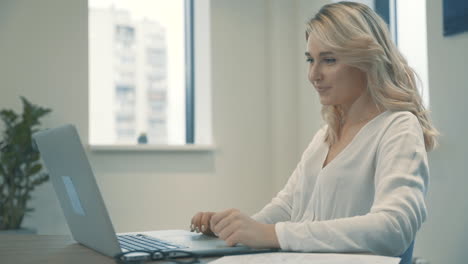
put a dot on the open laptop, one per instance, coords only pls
(86, 213)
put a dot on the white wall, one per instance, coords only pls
(44, 57)
(444, 237)
(295, 109)
(310, 119)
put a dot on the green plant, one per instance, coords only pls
(20, 167)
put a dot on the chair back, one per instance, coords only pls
(407, 257)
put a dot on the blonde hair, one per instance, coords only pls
(360, 38)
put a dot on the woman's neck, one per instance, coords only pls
(359, 112)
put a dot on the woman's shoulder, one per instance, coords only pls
(318, 138)
(315, 144)
(400, 119)
(401, 115)
(320, 134)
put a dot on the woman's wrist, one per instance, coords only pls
(272, 238)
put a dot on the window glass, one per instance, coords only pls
(137, 72)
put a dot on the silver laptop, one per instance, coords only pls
(86, 213)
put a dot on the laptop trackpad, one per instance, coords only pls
(190, 239)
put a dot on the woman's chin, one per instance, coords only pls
(325, 101)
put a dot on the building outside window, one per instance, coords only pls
(137, 72)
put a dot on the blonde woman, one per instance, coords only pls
(360, 184)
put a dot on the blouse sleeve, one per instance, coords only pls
(398, 210)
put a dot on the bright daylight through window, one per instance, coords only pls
(137, 72)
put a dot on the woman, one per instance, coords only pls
(360, 184)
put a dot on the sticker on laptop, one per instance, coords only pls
(73, 195)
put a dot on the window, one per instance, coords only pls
(412, 40)
(141, 72)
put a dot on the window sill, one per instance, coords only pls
(152, 148)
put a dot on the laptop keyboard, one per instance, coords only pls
(142, 242)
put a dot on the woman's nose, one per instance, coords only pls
(315, 75)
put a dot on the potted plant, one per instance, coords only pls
(20, 167)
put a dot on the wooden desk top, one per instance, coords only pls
(28, 249)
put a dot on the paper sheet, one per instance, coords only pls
(302, 258)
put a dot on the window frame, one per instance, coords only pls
(189, 73)
(198, 135)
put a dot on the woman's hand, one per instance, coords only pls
(201, 223)
(235, 227)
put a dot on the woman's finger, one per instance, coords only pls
(226, 221)
(205, 222)
(195, 225)
(228, 232)
(219, 216)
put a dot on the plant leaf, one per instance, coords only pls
(34, 169)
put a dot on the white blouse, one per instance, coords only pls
(369, 198)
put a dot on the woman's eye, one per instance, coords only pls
(329, 60)
(310, 60)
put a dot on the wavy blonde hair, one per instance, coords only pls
(360, 38)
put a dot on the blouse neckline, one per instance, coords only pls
(355, 138)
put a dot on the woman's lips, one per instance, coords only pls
(322, 88)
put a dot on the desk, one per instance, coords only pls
(28, 249)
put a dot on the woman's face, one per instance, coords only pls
(335, 82)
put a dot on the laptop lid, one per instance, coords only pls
(76, 189)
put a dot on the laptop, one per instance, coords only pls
(86, 213)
